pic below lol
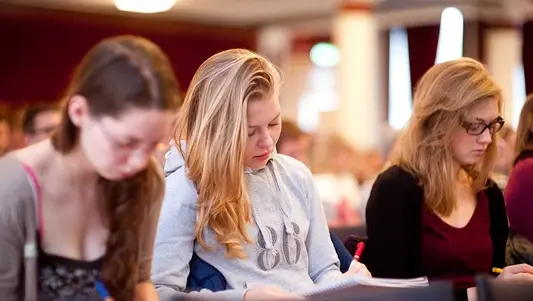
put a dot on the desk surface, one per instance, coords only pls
(435, 292)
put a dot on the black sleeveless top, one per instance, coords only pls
(65, 279)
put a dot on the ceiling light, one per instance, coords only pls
(144, 6)
(325, 55)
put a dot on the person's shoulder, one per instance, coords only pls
(494, 193)
(395, 175)
(16, 194)
(523, 167)
(398, 184)
(13, 176)
(291, 164)
(290, 161)
(292, 168)
(395, 190)
(179, 189)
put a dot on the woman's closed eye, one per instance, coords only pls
(476, 126)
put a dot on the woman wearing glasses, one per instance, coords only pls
(80, 209)
(435, 212)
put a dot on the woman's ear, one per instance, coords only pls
(78, 110)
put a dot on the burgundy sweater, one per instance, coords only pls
(519, 196)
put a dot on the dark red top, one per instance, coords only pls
(519, 197)
(457, 254)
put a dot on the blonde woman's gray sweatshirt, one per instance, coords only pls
(291, 245)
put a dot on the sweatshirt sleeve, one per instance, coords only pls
(324, 263)
(12, 251)
(16, 199)
(174, 243)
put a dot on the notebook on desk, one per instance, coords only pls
(354, 281)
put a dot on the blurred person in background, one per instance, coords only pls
(334, 176)
(294, 142)
(5, 135)
(371, 163)
(367, 166)
(506, 154)
(40, 121)
(519, 191)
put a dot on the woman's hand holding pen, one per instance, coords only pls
(268, 293)
(519, 272)
(357, 268)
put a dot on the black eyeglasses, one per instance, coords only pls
(47, 130)
(478, 128)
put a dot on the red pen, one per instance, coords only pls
(359, 251)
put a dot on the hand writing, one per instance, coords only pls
(266, 293)
(518, 272)
(357, 268)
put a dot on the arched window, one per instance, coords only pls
(450, 45)
(519, 93)
(400, 95)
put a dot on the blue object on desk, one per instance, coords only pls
(102, 290)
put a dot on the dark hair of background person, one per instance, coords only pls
(289, 131)
(28, 122)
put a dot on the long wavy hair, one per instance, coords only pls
(524, 133)
(116, 74)
(442, 99)
(213, 124)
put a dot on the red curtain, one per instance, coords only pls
(474, 39)
(423, 41)
(527, 55)
(39, 51)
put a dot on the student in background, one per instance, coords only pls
(252, 214)
(334, 175)
(519, 191)
(506, 154)
(83, 206)
(293, 142)
(5, 135)
(40, 121)
(435, 212)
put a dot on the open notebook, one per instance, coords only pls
(355, 280)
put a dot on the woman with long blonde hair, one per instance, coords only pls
(435, 212)
(249, 212)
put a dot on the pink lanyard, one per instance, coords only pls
(38, 196)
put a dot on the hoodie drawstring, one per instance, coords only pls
(282, 203)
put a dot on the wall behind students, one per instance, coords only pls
(40, 47)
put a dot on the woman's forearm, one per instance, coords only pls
(145, 291)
